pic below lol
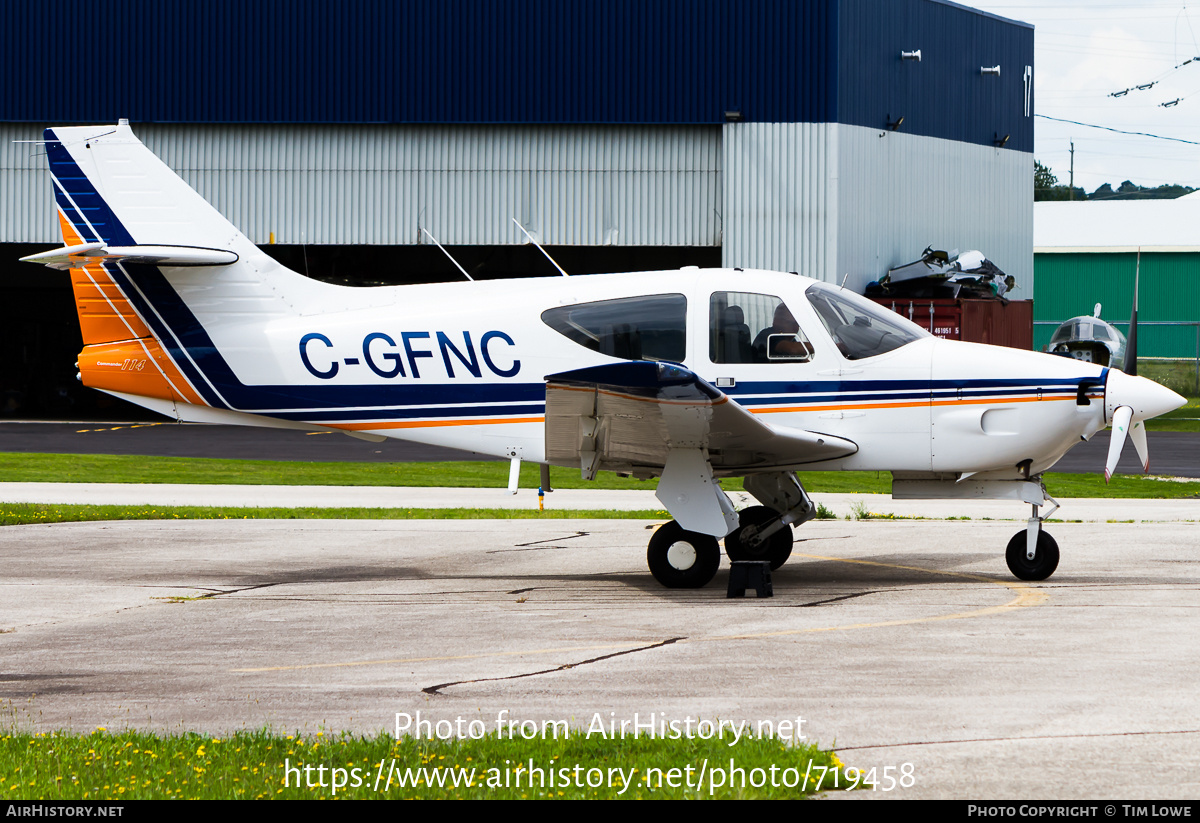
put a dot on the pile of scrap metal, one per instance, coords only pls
(942, 274)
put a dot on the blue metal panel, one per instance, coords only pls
(423, 61)
(945, 94)
(505, 61)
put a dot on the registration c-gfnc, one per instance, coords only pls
(454, 354)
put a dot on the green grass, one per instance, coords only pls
(91, 468)
(110, 468)
(248, 765)
(1177, 375)
(19, 514)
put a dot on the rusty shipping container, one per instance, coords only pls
(975, 321)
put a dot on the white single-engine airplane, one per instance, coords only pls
(689, 375)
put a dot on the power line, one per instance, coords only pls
(1118, 131)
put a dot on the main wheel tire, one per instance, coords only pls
(777, 548)
(1045, 557)
(681, 559)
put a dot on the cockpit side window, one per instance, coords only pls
(859, 327)
(754, 328)
(653, 327)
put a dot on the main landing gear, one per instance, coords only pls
(1032, 554)
(681, 559)
(755, 539)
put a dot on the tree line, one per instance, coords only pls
(1047, 187)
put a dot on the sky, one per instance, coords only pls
(1085, 50)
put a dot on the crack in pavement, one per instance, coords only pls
(536, 545)
(437, 689)
(214, 593)
(834, 599)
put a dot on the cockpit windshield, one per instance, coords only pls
(859, 327)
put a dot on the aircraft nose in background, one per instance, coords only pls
(1146, 398)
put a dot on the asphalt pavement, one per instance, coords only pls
(905, 644)
(168, 439)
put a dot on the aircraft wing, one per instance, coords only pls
(629, 416)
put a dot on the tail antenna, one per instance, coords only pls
(443, 248)
(539, 247)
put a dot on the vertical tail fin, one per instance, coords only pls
(118, 203)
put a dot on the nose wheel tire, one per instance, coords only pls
(680, 559)
(1045, 557)
(777, 548)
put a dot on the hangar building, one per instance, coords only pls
(835, 138)
(1088, 252)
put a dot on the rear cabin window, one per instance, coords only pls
(631, 328)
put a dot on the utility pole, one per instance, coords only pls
(1071, 188)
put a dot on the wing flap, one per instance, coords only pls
(628, 417)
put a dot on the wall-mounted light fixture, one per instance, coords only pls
(986, 70)
(894, 125)
(999, 141)
(733, 116)
(911, 55)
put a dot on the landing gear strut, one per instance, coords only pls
(1032, 554)
(682, 559)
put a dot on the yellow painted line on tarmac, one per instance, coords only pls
(115, 428)
(1026, 597)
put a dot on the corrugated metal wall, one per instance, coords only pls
(944, 94)
(1072, 284)
(26, 208)
(899, 193)
(516, 61)
(570, 185)
(827, 199)
(781, 197)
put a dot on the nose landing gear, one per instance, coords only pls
(1032, 554)
(1044, 560)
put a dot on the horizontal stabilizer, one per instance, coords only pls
(629, 416)
(74, 256)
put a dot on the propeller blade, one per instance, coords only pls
(1120, 428)
(1137, 433)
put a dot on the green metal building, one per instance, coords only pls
(1088, 253)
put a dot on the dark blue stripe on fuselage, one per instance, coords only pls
(413, 413)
